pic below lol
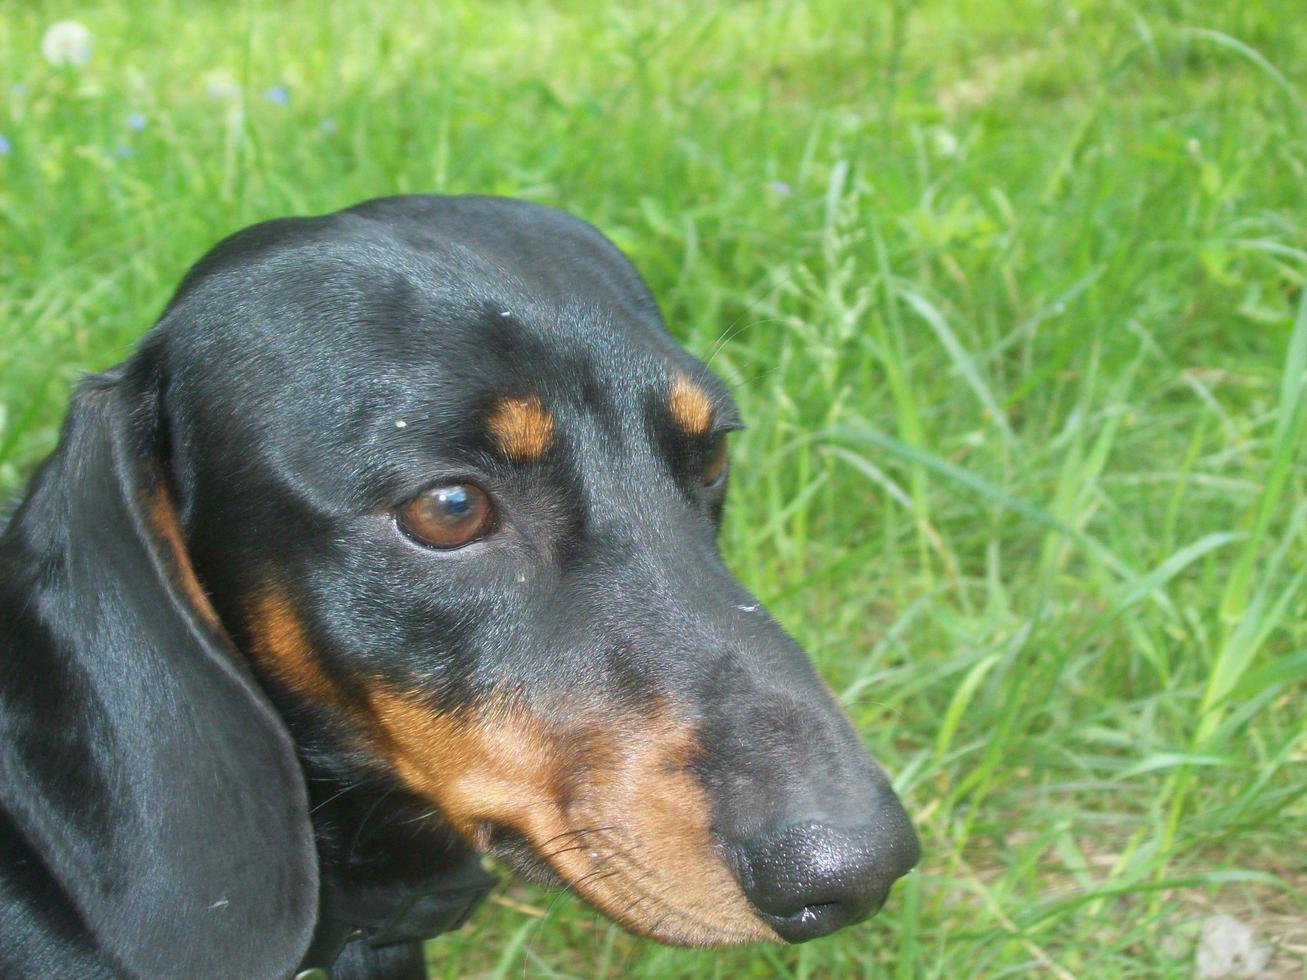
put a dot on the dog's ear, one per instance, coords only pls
(138, 757)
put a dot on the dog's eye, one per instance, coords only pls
(714, 470)
(447, 517)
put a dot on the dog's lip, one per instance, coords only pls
(513, 849)
(672, 924)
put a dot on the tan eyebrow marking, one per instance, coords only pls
(522, 428)
(689, 406)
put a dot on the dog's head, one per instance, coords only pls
(450, 486)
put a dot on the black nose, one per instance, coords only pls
(809, 879)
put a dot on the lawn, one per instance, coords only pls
(1011, 296)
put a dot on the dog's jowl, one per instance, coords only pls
(394, 542)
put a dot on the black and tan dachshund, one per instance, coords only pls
(394, 542)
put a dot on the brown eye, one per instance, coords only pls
(446, 517)
(714, 469)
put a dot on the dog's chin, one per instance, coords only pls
(512, 849)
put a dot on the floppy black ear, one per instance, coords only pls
(138, 758)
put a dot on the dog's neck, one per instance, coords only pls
(388, 863)
(391, 871)
(370, 830)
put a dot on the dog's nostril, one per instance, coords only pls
(809, 879)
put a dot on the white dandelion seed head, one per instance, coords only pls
(66, 42)
(946, 144)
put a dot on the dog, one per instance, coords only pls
(394, 543)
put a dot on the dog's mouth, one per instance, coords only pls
(607, 809)
(682, 898)
(598, 799)
(513, 849)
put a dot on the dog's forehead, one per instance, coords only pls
(464, 290)
(528, 373)
(457, 348)
(369, 342)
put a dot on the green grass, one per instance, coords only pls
(1011, 294)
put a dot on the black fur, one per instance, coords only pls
(168, 810)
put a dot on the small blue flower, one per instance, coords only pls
(17, 89)
(135, 121)
(5, 145)
(277, 95)
(328, 125)
(123, 152)
(779, 188)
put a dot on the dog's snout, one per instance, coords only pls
(810, 878)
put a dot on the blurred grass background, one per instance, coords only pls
(1012, 297)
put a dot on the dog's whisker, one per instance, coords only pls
(732, 333)
(368, 815)
(750, 307)
(573, 833)
(365, 781)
